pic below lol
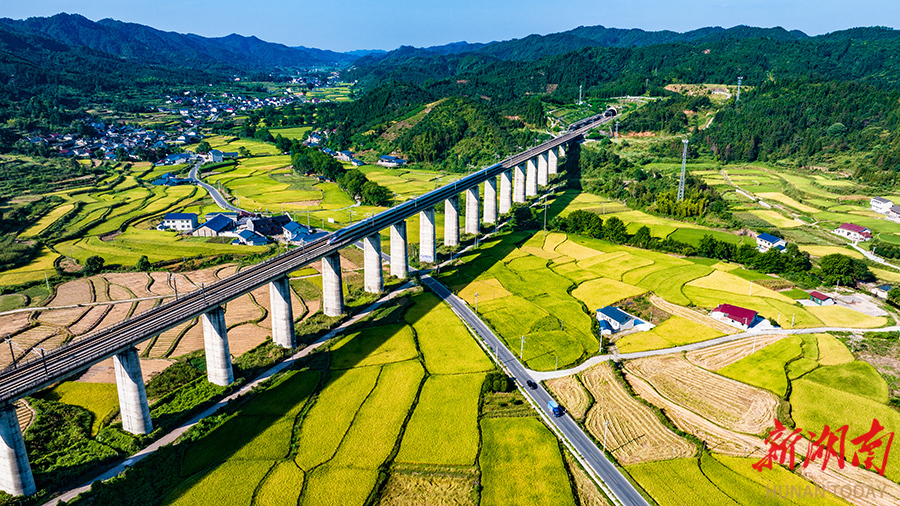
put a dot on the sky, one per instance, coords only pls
(345, 25)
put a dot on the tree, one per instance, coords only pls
(243, 152)
(374, 194)
(614, 230)
(203, 147)
(841, 269)
(143, 264)
(93, 265)
(642, 237)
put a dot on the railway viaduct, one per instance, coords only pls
(519, 178)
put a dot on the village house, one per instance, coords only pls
(881, 205)
(734, 315)
(765, 242)
(881, 291)
(214, 227)
(853, 232)
(182, 222)
(250, 238)
(391, 161)
(820, 298)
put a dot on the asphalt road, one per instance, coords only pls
(593, 456)
(213, 192)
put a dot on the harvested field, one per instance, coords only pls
(136, 282)
(90, 320)
(692, 315)
(118, 292)
(105, 372)
(160, 285)
(24, 413)
(61, 317)
(244, 338)
(242, 310)
(721, 355)
(118, 313)
(204, 276)
(725, 401)
(408, 488)
(78, 291)
(48, 337)
(635, 433)
(12, 323)
(192, 340)
(572, 394)
(588, 493)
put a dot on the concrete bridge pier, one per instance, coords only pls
(132, 397)
(543, 168)
(332, 289)
(451, 221)
(553, 159)
(531, 178)
(15, 470)
(399, 259)
(506, 192)
(473, 220)
(215, 339)
(374, 282)
(519, 192)
(282, 313)
(490, 201)
(562, 150)
(427, 236)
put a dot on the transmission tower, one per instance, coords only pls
(739, 89)
(683, 165)
(580, 102)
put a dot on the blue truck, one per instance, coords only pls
(555, 408)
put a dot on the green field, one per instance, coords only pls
(292, 132)
(522, 474)
(101, 399)
(765, 368)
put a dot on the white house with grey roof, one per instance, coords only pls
(881, 205)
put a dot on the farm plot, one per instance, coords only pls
(692, 315)
(721, 355)
(765, 368)
(832, 351)
(572, 395)
(725, 401)
(635, 433)
(374, 346)
(840, 316)
(443, 429)
(777, 219)
(667, 283)
(678, 482)
(447, 345)
(509, 467)
(100, 399)
(599, 293)
(675, 331)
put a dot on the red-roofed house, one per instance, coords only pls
(821, 299)
(734, 315)
(853, 232)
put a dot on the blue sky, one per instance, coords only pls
(344, 25)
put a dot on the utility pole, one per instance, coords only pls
(683, 167)
(617, 129)
(605, 431)
(476, 302)
(580, 102)
(47, 280)
(522, 349)
(739, 89)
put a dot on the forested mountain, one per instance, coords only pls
(143, 44)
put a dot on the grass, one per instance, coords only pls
(522, 474)
(840, 316)
(443, 429)
(100, 399)
(765, 368)
(383, 344)
(330, 417)
(12, 301)
(291, 133)
(679, 482)
(447, 345)
(675, 331)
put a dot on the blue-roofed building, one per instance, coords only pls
(182, 222)
(765, 242)
(212, 228)
(391, 161)
(617, 319)
(301, 234)
(250, 238)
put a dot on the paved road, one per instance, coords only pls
(872, 256)
(583, 445)
(213, 192)
(172, 436)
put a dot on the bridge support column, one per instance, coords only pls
(399, 259)
(15, 470)
(332, 289)
(553, 159)
(519, 192)
(373, 274)
(473, 220)
(132, 397)
(543, 168)
(451, 221)
(506, 192)
(215, 339)
(531, 178)
(562, 150)
(490, 201)
(426, 236)
(282, 313)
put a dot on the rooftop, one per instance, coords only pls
(615, 314)
(738, 314)
(769, 238)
